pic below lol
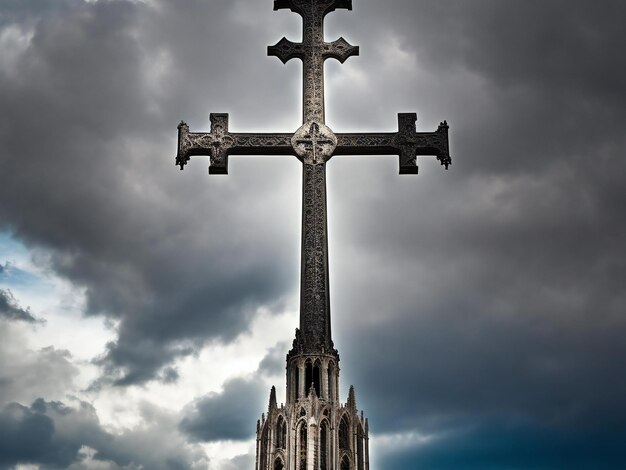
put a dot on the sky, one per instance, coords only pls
(480, 312)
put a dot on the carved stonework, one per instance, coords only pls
(314, 143)
(407, 143)
(313, 428)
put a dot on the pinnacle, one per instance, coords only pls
(272, 404)
(351, 398)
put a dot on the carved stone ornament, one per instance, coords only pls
(314, 143)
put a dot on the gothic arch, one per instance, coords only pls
(264, 445)
(345, 463)
(308, 375)
(279, 464)
(324, 445)
(301, 445)
(330, 371)
(317, 377)
(360, 450)
(281, 433)
(344, 433)
(296, 388)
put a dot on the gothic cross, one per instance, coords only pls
(313, 144)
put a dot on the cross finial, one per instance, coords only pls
(313, 51)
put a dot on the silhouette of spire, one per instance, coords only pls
(272, 404)
(351, 398)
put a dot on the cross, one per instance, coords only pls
(313, 144)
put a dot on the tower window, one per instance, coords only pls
(324, 446)
(331, 395)
(344, 442)
(359, 450)
(264, 445)
(316, 378)
(297, 384)
(302, 444)
(281, 433)
(308, 377)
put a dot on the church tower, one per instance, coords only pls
(313, 430)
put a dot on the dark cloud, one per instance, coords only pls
(55, 435)
(512, 444)
(226, 415)
(10, 309)
(28, 438)
(273, 364)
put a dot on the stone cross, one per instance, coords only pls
(313, 144)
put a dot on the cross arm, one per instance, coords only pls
(220, 143)
(406, 143)
(286, 50)
(340, 50)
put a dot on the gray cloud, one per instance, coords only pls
(55, 435)
(10, 309)
(273, 364)
(226, 415)
(242, 462)
(26, 375)
(29, 437)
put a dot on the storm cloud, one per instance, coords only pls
(10, 309)
(225, 415)
(56, 435)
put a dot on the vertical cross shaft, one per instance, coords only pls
(314, 142)
(313, 68)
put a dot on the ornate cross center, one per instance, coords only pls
(314, 144)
